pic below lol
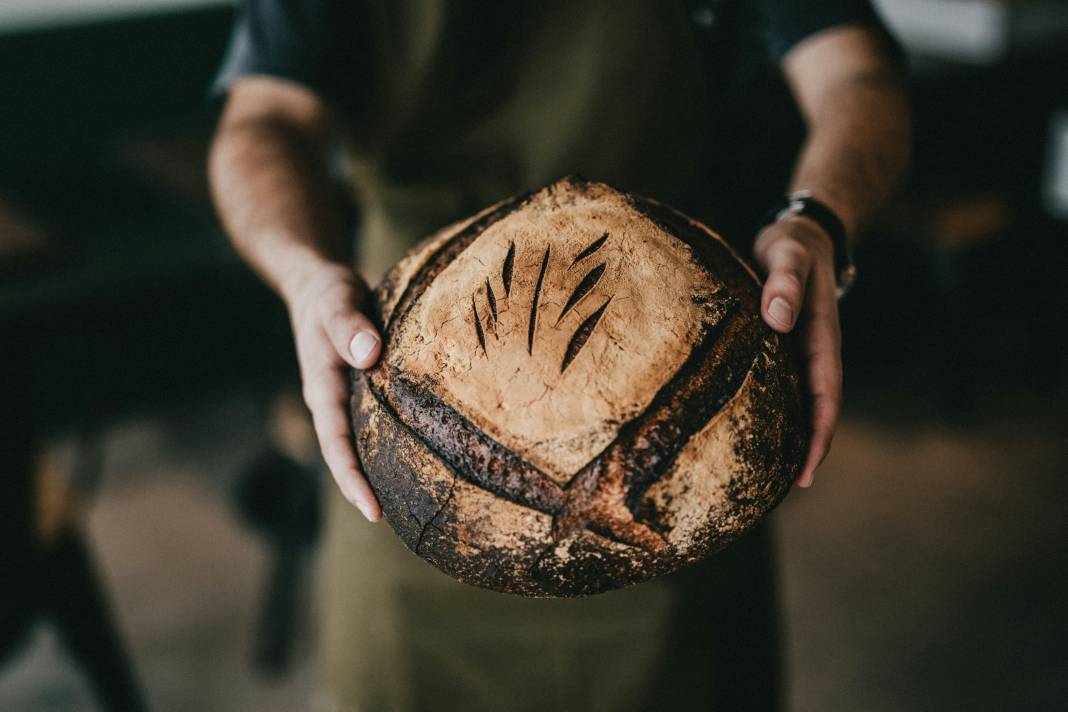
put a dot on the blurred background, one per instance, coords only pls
(158, 537)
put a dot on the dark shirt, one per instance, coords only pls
(716, 122)
(321, 43)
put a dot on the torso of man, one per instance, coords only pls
(470, 102)
(467, 104)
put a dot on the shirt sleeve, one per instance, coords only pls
(787, 22)
(296, 40)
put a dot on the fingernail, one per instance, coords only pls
(354, 500)
(781, 311)
(362, 345)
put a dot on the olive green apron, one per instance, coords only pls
(471, 102)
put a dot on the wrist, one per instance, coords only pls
(810, 232)
(302, 271)
(807, 214)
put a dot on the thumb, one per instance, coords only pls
(784, 289)
(354, 337)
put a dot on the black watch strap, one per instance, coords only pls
(802, 203)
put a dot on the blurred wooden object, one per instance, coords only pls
(50, 572)
(102, 142)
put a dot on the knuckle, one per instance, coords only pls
(826, 397)
(826, 345)
(315, 396)
(827, 393)
(824, 333)
(764, 241)
(825, 446)
(833, 329)
(338, 317)
(335, 300)
(313, 356)
(833, 391)
(788, 280)
(825, 357)
(790, 252)
(825, 300)
(338, 455)
(338, 291)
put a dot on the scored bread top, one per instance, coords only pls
(577, 393)
(558, 323)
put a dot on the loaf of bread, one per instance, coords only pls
(577, 393)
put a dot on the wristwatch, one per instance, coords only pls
(802, 203)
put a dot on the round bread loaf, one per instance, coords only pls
(577, 393)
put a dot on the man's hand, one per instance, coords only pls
(800, 292)
(272, 185)
(853, 100)
(332, 335)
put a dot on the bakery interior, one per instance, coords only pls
(170, 549)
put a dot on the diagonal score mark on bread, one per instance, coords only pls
(582, 335)
(589, 250)
(582, 289)
(532, 324)
(479, 333)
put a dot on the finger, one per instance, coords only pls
(326, 395)
(788, 265)
(352, 334)
(825, 385)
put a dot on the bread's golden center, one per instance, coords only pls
(555, 326)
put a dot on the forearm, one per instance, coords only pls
(857, 147)
(856, 109)
(277, 199)
(275, 196)
(855, 152)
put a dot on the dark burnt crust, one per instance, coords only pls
(644, 449)
(467, 450)
(416, 490)
(780, 409)
(419, 508)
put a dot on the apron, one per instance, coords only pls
(396, 634)
(472, 102)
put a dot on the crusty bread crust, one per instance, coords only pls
(577, 394)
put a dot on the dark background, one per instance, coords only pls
(139, 361)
